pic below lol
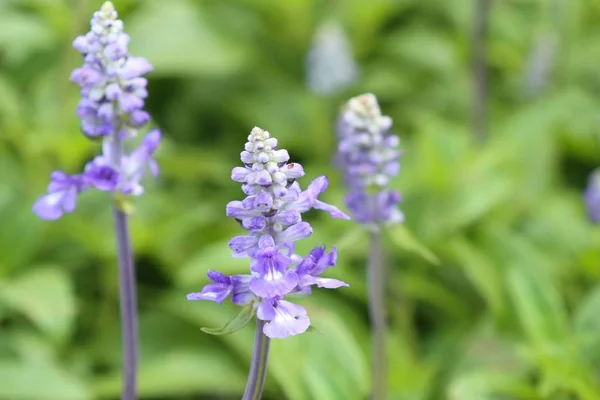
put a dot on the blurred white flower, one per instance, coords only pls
(541, 63)
(330, 65)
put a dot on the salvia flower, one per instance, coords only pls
(592, 196)
(271, 214)
(111, 109)
(368, 157)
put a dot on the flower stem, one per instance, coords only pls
(127, 288)
(258, 366)
(129, 322)
(480, 84)
(376, 281)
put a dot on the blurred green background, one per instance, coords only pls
(493, 295)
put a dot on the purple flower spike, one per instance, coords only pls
(111, 108)
(368, 156)
(592, 196)
(271, 214)
(110, 78)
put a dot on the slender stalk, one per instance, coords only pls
(376, 281)
(127, 290)
(480, 80)
(258, 365)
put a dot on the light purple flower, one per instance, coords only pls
(62, 196)
(313, 265)
(285, 318)
(368, 157)
(271, 214)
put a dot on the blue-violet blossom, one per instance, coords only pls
(592, 196)
(111, 109)
(271, 215)
(368, 156)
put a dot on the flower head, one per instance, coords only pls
(112, 89)
(368, 156)
(111, 108)
(271, 214)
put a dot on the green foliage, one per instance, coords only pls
(245, 315)
(494, 286)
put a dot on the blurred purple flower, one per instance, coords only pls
(592, 196)
(368, 157)
(62, 195)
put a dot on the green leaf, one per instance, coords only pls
(587, 324)
(40, 381)
(404, 239)
(177, 40)
(538, 304)
(240, 321)
(45, 296)
(480, 270)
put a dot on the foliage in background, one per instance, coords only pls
(498, 298)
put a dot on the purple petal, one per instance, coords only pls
(135, 67)
(295, 232)
(274, 283)
(139, 118)
(241, 244)
(239, 174)
(237, 210)
(216, 292)
(86, 76)
(262, 178)
(293, 170)
(254, 223)
(69, 200)
(241, 294)
(130, 102)
(332, 210)
(263, 201)
(152, 140)
(289, 320)
(280, 156)
(218, 277)
(266, 310)
(48, 206)
(287, 217)
(81, 44)
(327, 283)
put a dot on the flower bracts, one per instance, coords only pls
(111, 109)
(368, 157)
(271, 215)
